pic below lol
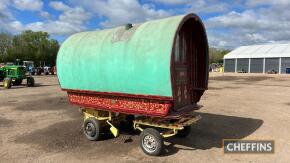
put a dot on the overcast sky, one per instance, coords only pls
(229, 23)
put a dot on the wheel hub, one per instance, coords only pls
(149, 143)
(90, 129)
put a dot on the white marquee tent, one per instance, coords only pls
(259, 59)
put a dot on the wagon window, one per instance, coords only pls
(183, 50)
(180, 49)
(177, 56)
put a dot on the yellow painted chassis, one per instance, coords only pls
(172, 125)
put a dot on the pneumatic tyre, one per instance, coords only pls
(7, 83)
(151, 142)
(30, 82)
(91, 129)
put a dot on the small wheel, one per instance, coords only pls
(185, 132)
(151, 142)
(7, 83)
(30, 82)
(91, 129)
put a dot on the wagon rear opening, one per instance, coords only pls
(189, 69)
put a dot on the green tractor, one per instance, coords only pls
(14, 75)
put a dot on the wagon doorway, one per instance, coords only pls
(190, 67)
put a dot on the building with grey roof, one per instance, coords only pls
(273, 58)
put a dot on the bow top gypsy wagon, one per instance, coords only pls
(157, 70)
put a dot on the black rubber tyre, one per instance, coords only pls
(30, 82)
(17, 82)
(91, 128)
(151, 142)
(7, 83)
(185, 132)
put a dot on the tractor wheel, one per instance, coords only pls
(30, 82)
(17, 82)
(151, 142)
(7, 82)
(91, 128)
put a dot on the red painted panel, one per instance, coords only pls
(121, 104)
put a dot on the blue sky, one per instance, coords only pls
(229, 23)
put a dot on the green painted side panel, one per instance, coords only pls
(136, 61)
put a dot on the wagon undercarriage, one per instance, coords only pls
(153, 129)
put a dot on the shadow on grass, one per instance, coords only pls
(44, 85)
(211, 130)
(5, 122)
(222, 88)
(214, 88)
(68, 137)
(43, 103)
(240, 78)
(24, 86)
(206, 134)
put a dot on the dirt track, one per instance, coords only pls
(39, 125)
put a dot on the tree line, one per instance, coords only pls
(38, 47)
(217, 55)
(28, 46)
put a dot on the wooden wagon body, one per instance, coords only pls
(158, 68)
